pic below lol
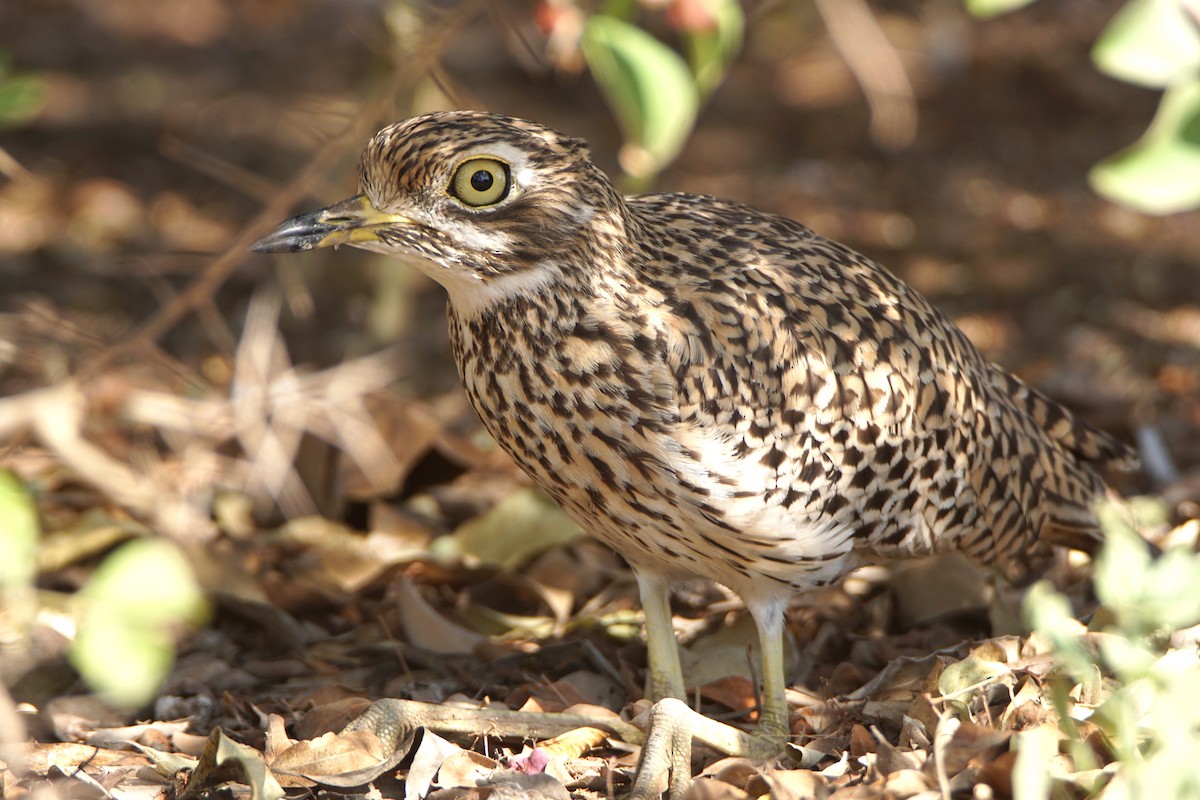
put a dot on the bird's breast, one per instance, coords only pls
(590, 412)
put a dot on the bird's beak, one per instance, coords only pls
(352, 221)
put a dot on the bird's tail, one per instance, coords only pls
(1090, 445)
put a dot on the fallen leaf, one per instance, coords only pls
(428, 629)
(733, 691)
(332, 754)
(224, 761)
(465, 768)
(573, 744)
(506, 785)
(796, 784)
(426, 762)
(518, 528)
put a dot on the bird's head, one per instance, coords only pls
(488, 204)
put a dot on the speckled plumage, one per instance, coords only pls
(717, 391)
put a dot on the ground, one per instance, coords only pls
(173, 133)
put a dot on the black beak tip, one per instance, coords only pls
(303, 232)
(274, 242)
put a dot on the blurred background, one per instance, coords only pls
(146, 143)
(160, 129)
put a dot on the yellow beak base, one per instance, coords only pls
(350, 221)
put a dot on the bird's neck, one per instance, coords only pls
(482, 297)
(585, 265)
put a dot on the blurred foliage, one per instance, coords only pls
(648, 87)
(1156, 44)
(517, 528)
(18, 567)
(1128, 682)
(653, 90)
(655, 94)
(139, 597)
(134, 605)
(991, 8)
(22, 95)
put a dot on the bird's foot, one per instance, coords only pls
(666, 760)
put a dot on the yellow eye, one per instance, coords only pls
(481, 182)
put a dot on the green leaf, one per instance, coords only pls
(1129, 660)
(1049, 612)
(648, 87)
(969, 674)
(21, 95)
(1176, 576)
(21, 98)
(136, 600)
(711, 51)
(1149, 42)
(18, 534)
(18, 566)
(1160, 173)
(1123, 564)
(993, 8)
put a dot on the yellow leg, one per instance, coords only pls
(671, 724)
(666, 674)
(773, 720)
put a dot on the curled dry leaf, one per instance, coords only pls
(796, 784)
(573, 744)
(428, 629)
(226, 761)
(465, 768)
(333, 754)
(734, 691)
(431, 753)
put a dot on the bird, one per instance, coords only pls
(712, 390)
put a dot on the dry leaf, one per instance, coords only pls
(796, 784)
(428, 759)
(465, 768)
(733, 691)
(225, 760)
(428, 629)
(573, 744)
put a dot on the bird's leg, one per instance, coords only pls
(662, 651)
(671, 725)
(666, 730)
(773, 714)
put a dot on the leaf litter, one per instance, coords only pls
(330, 618)
(517, 641)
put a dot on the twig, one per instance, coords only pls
(869, 688)
(11, 168)
(217, 272)
(877, 68)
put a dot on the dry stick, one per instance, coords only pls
(11, 168)
(245, 180)
(206, 284)
(877, 68)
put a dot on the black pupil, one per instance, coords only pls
(482, 180)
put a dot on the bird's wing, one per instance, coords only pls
(832, 389)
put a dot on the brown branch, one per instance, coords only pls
(877, 68)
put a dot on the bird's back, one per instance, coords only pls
(833, 397)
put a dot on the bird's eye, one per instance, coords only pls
(480, 182)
